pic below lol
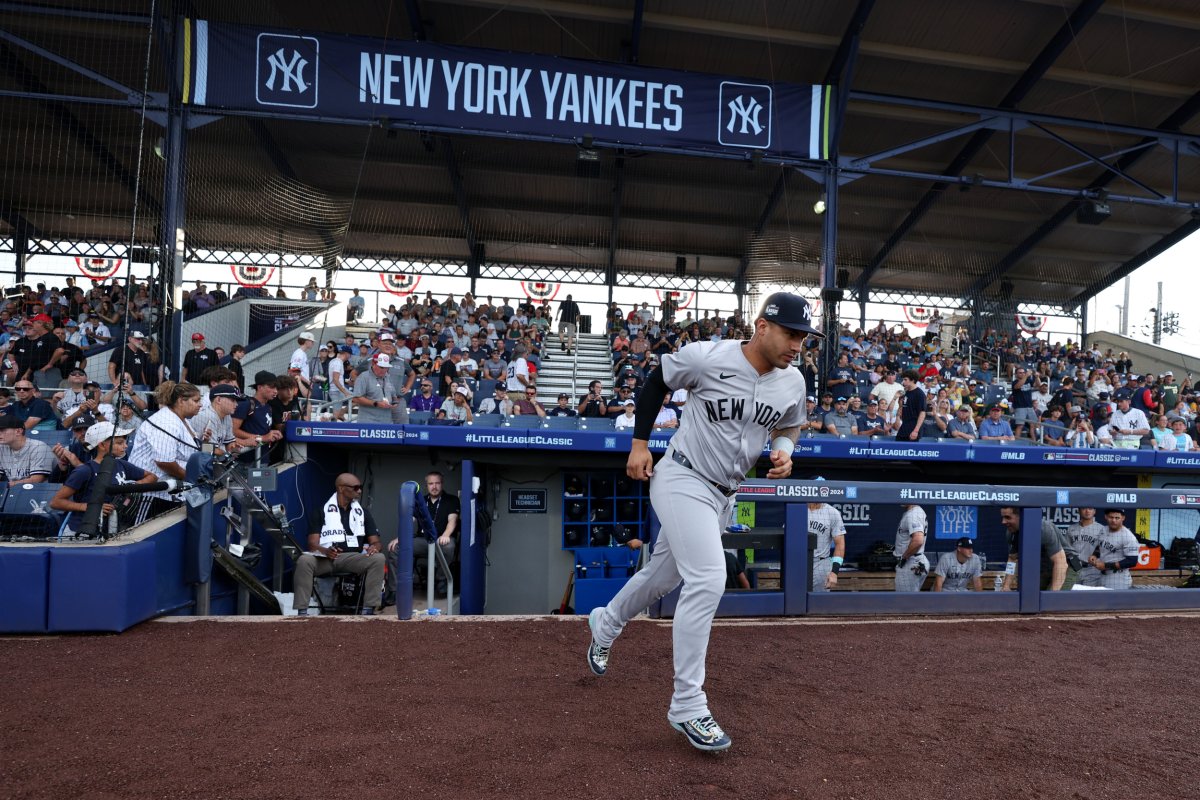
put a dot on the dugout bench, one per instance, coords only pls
(873, 593)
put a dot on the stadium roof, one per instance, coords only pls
(70, 169)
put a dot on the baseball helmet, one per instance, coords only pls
(572, 484)
(627, 510)
(602, 512)
(600, 536)
(790, 311)
(625, 486)
(573, 537)
(623, 533)
(602, 487)
(575, 511)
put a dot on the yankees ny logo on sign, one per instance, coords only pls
(287, 70)
(744, 115)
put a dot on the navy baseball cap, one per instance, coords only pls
(225, 390)
(789, 310)
(965, 541)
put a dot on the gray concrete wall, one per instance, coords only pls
(528, 569)
(1147, 358)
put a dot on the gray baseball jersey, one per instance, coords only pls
(913, 521)
(731, 409)
(1082, 539)
(826, 522)
(1114, 546)
(957, 575)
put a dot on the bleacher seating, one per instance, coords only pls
(597, 424)
(562, 423)
(28, 512)
(488, 420)
(487, 388)
(419, 417)
(523, 421)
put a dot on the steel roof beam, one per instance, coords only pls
(1174, 121)
(104, 16)
(15, 67)
(63, 61)
(1045, 59)
(759, 35)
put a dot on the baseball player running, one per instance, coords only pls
(1115, 554)
(825, 522)
(739, 395)
(910, 549)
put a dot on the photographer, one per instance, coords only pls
(101, 438)
(592, 404)
(1080, 434)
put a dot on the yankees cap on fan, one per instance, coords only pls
(790, 311)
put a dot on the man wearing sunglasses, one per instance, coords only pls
(342, 537)
(529, 403)
(30, 408)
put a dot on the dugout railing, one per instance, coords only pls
(794, 598)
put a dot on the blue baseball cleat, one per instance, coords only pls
(597, 655)
(704, 734)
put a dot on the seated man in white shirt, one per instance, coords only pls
(1128, 425)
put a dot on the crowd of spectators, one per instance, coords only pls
(451, 359)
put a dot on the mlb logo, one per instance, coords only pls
(1063, 498)
(286, 73)
(305, 431)
(744, 115)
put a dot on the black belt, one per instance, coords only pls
(680, 458)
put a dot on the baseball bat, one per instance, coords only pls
(562, 608)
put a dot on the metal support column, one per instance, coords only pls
(171, 224)
(20, 253)
(831, 296)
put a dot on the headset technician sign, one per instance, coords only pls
(488, 92)
(527, 501)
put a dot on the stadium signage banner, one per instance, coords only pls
(489, 92)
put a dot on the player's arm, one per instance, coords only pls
(1058, 570)
(839, 554)
(938, 580)
(783, 442)
(640, 465)
(914, 544)
(977, 583)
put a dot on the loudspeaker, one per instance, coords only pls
(680, 266)
(1092, 212)
(143, 255)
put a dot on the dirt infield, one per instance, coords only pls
(444, 709)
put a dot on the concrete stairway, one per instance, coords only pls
(590, 361)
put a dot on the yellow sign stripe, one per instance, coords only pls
(187, 60)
